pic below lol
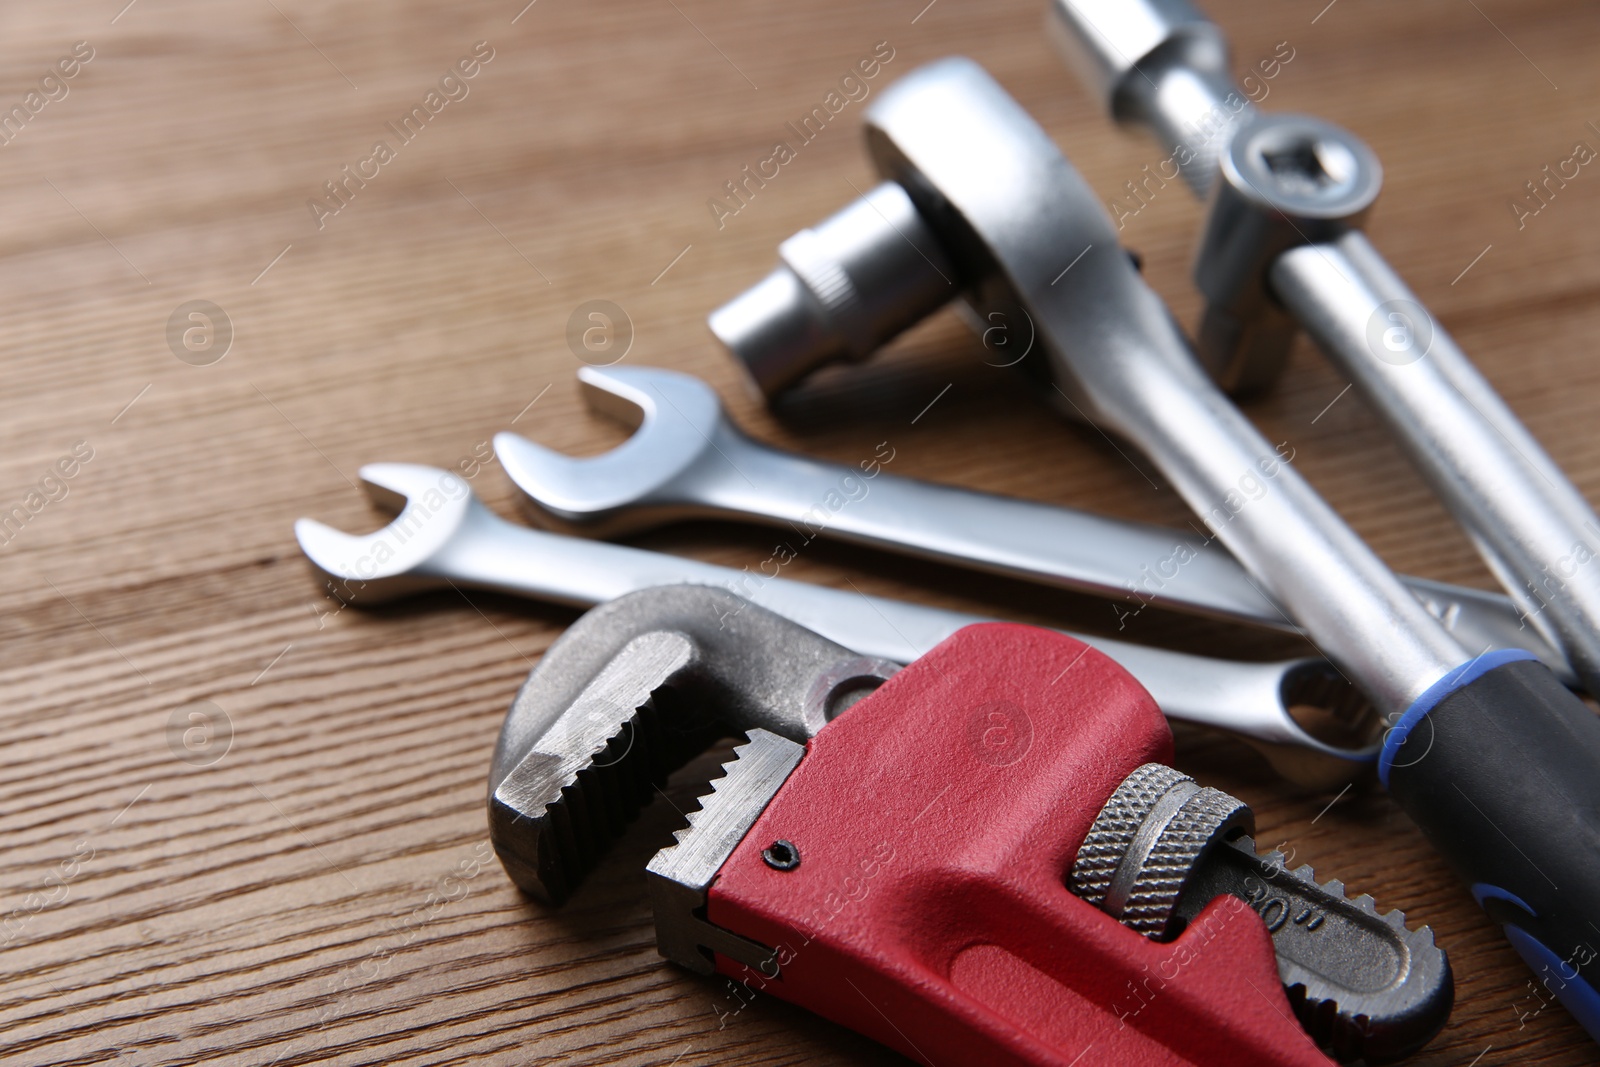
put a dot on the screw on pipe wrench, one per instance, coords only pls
(984, 854)
(688, 459)
(1282, 240)
(1488, 753)
(444, 537)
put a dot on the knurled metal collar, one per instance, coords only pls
(1146, 841)
(813, 260)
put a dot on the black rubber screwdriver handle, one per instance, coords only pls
(1499, 764)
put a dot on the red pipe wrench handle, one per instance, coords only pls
(935, 824)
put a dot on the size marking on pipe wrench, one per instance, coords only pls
(688, 459)
(868, 857)
(445, 536)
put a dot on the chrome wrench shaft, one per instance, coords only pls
(459, 542)
(688, 459)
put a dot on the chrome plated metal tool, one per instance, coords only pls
(1282, 246)
(1488, 752)
(444, 537)
(687, 459)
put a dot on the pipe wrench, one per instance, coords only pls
(985, 853)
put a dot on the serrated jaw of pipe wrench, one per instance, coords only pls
(680, 874)
(553, 816)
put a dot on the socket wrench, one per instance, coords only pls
(1287, 194)
(688, 459)
(1492, 757)
(443, 536)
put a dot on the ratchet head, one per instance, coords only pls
(433, 507)
(677, 419)
(1030, 234)
(999, 210)
(631, 692)
(1034, 248)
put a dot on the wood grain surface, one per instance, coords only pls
(301, 873)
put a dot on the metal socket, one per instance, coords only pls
(1285, 180)
(844, 288)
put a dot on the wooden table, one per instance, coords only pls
(240, 824)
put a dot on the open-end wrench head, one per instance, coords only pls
(676, 419)
(431, 507)
(632, 691)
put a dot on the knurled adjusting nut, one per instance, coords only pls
(1147, 840)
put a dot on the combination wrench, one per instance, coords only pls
(444, 537)
(688, 459)
(1489, 754)
(1282, 243)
